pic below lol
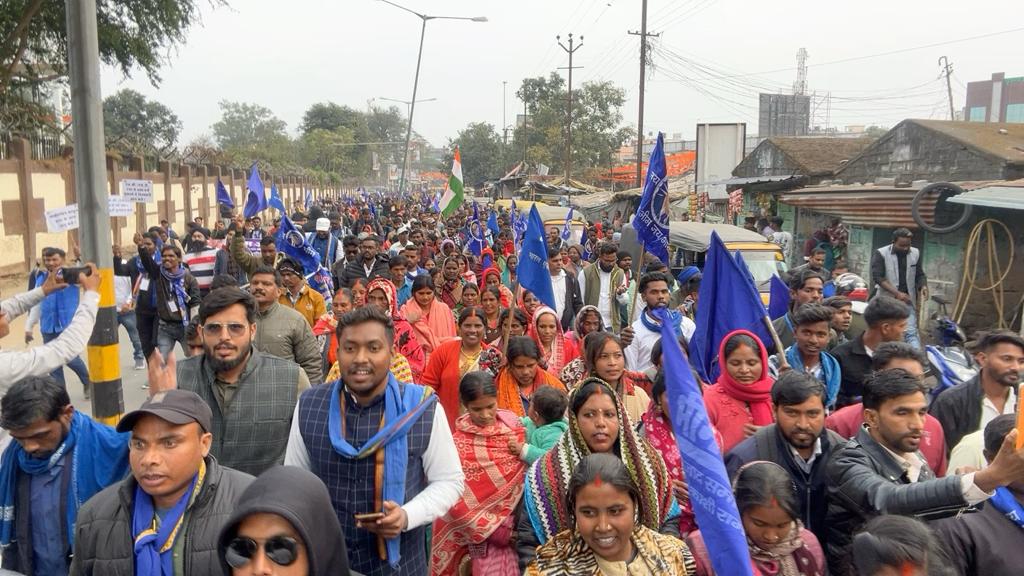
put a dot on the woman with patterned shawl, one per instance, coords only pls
(450, 292)
(432, 320)
(383, 293)
(522, 375)
(603, 482)
(478, 530)
(598, 423)
(555, 350)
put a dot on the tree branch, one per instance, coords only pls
(21, 32)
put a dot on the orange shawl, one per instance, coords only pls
(509, 397)
(433, 327)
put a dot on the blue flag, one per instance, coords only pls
(585, 254)
(373, 210)
(778, 304)
(533, 271)
(566, 229)
(435, 206)
(223, 197)
(710, 491)
(309, 199)
(292, 243)
(651, 219)
(476, 233)
(256, 199)
(492, 223)
(275, 199)
(728, 302)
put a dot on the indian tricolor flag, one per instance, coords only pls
(452, 197)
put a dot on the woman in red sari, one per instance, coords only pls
(382, 292)
(556, 351)
(741, 400)
(492, 279)
(432, 320)
(478, 529)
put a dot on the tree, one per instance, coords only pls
(249, 132)
(875, 131)
(596, 134)
(387, 126)
(346, 123)
(482, 152)
(135, 125)
(330, 151)
(140, 33)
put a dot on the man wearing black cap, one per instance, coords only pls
(166, 517)
(297, 294)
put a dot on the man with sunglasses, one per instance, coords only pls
(165, 517)
(284, 524)
(252, 394)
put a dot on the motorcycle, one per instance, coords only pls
(951, 363)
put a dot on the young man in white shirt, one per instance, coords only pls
(654, 290)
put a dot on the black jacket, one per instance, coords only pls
(103, 531)
(812, 489)
(959, 411)
(355, 270)
(971, 540)
(856, 365)
(865, 480)
(18, 556)
(299, 497)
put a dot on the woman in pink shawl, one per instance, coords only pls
(555, 350)
(382, 292)
(431, 319)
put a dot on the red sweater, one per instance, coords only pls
(727, 415)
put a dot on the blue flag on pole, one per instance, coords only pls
(651, 219)
(492, 223)
(566, 230)
(292, 243)
(778, 303)
(476, 233)
(275, 199)
(435, 206)
(533, 270)
(256, 199)
(728, 302)
(309, 199)
(223, 197)
(710, 491)
(585, 254)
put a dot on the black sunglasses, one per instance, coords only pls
(281, 550)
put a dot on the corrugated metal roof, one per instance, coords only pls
(1011, 197)
(872, 206)
(749, 180)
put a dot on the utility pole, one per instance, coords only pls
(947, 70)
(504, 112)
(526, 139)
(568, 126)
(643, 84)
(91, 190)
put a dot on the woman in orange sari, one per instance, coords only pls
(478, 530)
(382, 292)
(522, 375)
(431, 319)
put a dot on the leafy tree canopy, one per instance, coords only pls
(135, 125)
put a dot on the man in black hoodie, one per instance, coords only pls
(284, 521)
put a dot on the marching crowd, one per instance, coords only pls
(407, 407)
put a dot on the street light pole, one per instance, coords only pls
(416, 80)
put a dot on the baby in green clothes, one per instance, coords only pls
(544, 424)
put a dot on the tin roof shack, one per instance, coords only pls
(941, 151)
(814, 158)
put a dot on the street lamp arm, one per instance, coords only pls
(400, 7)
(471, 19)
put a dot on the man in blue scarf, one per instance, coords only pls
(383, 449)
(812, 330)
(59, 459)
(654, 289)
(164, 519)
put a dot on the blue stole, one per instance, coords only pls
(1004, 501)
(153, 556)
(831, 374)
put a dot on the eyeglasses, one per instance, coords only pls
(281, 550)
(235, 329)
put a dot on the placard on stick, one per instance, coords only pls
(62, 219)
(137, 190)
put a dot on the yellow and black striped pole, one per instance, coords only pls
(93, 205)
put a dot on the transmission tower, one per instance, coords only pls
(800, 86)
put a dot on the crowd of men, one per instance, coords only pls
(231, 331)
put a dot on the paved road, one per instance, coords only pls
(131, 379)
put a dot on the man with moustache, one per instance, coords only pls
(280, 330)
(603, 284)
(897, 271)
(252, 394)
(654, 290)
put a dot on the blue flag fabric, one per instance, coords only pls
(292, 243)
(223, 197)
(533, 271)
(778, 304)
(275, 199)
(583, 245)
(492, 223)
(256, 199)
(309, 199)
(651, 219)
(476, 233)
(728, 302)
(435, 206)
(566, 229)
(710, 491)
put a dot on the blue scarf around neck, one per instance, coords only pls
(1004, 502)
(177, 282)
(99, 458)
(402, 408)
(154, 555)
(654, 325)
(830, 372)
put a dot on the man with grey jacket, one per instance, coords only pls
(281, 331)
(164, 518)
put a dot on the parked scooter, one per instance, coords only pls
(952, 364)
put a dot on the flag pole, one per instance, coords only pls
(632, 305)
(779, 349)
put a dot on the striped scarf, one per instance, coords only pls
(547, 481)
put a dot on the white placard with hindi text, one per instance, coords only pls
(137, 190)
(120, 206)
(62, 219)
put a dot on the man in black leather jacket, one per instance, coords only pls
(881, 471)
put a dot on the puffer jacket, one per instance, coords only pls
(355, 271)
(864, 481)
(103, 532)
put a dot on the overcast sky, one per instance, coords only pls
(287, 55)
